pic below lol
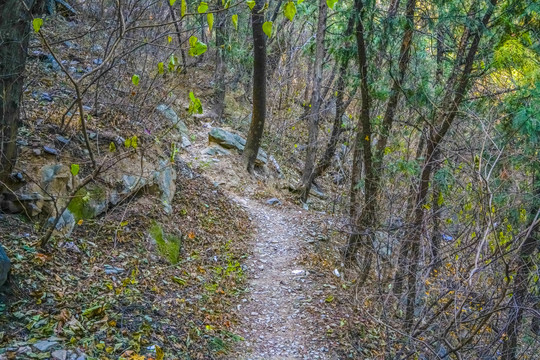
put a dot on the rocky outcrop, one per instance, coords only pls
(229, 140)
(5, 266)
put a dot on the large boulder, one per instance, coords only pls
(229, 140)
(5, 265)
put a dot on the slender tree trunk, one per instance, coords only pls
(178, 28)
(14, 34)
(362, 146)
(221, 68)
(341, 107)
(315, 104)
(259, 88)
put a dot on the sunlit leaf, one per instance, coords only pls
(289, 10)
(235, 21)
(331, 3)
(36, 23)
(251, 4)
(210, 19)
(203, 7)
(135, 79)
(183, 8)
(74, 169)
(267, 28)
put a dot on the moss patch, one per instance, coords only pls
(168, 245)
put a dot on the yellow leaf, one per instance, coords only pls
(367, 137)
(159, 353)
(80, 222)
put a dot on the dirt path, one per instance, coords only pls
(276, 323)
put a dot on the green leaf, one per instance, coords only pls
(74, 169)
(235, 21)
(172, 2)
(289, 10)
(135, 79)
(160, 68)
(183, 8)
(173, 61)
(203, 7)
(195, 105)
(251, 4)
(134, 141)
(196, 47)
(331, 3)
(267, 28)
(169, 38)
(210, 19)
(112, 147)
(299, 2)
(36, 23)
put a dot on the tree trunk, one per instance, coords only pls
(315, 104)
(362, 146)
(259, 88)
(14, 32)
(341, 107)
(449, 108)
(221, 68)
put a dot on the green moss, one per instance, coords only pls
(86, 202)
(168, 245)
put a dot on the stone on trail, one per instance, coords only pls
(229, 140)
(45, 345)
(273, 201)
(5, 265)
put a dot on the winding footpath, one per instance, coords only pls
(276, 321)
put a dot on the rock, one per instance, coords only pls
(96, 49)
(273, 201)
(59, 355)
(5, 266)
(36, 152)
(50, 150)
(165, 179)
(229, 140)
(54, 65)
(46, 97)
(111, 270)
(62, 140)
(15, 203)
(98, 61)
(168, 113)
(66, 224)
(45, 345)
(215, 150)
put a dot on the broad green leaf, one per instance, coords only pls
(299, 2)
(235, 21)
(210, 19)
(169, 39)
(173, 61)
(251, 4)
(135, 79)
(203, 7)
(183, 8)
(134, 142)
(74, 169)
(331, 3)
(289, 10)
(112, 147)
(172, 2)
(227, 4)
(36, 23)
(195, 105)
(267, 28)
(160, 68)
(196, 47)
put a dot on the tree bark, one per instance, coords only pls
(313, 113)
(341, 107)
(15, 32)
(221, 68)
(259, 88)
